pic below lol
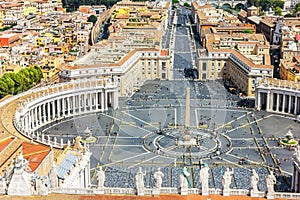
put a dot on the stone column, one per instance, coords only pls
(58, 107)
(105, 100)
(35, 116)
(96, 101)
(40, 115)
(84, 102)
(116, 99)
(277, 105)
(44, 113)
(68, 105)
(268, 101)
(73, 103)
(102, 101)
(258, 100)
(79, 102)
(63, 106)
(27, 122)
(290, 103)
(271, 101)
(91, 101)
(296, 105)
(48, 111)
(283, 103)
(22, 121)
(53, 109)
(31, 119)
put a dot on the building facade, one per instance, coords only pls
(278, 96)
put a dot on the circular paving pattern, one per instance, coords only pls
(142, 132)
(170, 143)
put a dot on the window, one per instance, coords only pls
(163, 66)
(204, 66)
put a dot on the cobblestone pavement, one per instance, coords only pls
(145, 128)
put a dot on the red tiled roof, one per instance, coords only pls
(5, 142)
(164, 52)
(35, 154)
(297, 37)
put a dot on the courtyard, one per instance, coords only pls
(144, 132)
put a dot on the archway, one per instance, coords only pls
(239, 6)
(226, 6)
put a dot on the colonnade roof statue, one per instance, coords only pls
(204, 178)
(101, 178)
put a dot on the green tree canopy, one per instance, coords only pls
(187, 4)
(14, 83)
(278, 11)
(267, 4)
(92, 18)
(248, 31)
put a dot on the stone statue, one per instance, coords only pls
(53, 176)
(158, 175)
(21, 164)
(254, 180)
(40, 185)
(139, 181)
(101, 178)
(183, 179)
(297, 152)
(3, 186)
(270, 182)
(77, 144)
(226, 179)
(203, 178)
(20, 177)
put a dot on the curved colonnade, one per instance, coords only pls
(278, 96)
(56, 102)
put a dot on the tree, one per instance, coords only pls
(289, 15)
(267, 4)
(186, 4)
(248, 31)
(6, 78)
(278, 11)
(297, 7)
(92, 18)
(39, 73)
(14, 83)
(4, 90)
(33, 74)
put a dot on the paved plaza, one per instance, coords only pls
(146, 128)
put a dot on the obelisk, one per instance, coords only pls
(187, 136)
